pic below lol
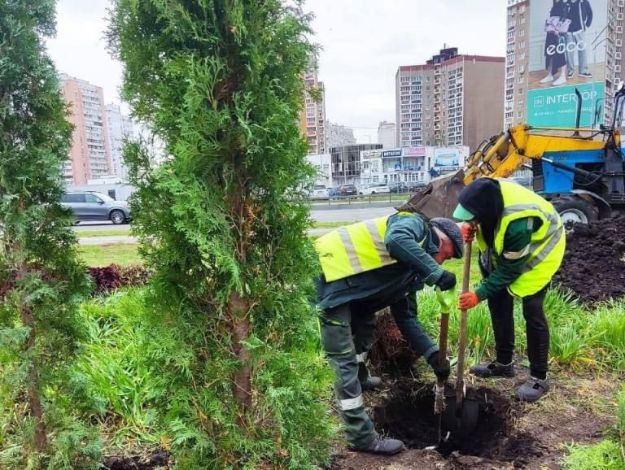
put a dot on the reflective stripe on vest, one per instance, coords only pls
(546, 248)
(355, 248)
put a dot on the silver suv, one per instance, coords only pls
(88, 205)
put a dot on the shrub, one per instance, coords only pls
(110, 278)
(223, 226)
(41, 281)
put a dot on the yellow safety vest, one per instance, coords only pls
(355, 248)
(546, 248)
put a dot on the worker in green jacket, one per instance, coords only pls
(366, 267)
(521, 241)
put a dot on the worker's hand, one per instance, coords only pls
(468, 300)
(440, 370)
(468, 232)
(446, 281)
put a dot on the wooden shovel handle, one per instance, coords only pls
(462, 343)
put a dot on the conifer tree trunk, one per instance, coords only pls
(34, 398)
(239, 307)
(242, 380)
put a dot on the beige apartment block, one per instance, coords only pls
(90, 154)
(450, 100)
(313, 116)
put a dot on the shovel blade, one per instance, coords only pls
(461, 420)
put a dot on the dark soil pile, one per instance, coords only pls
(593, 267)
(159, 460)
(390, 353)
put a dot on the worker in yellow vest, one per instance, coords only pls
(366, 267)
(521, 241)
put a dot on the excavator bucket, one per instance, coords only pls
(439, 198)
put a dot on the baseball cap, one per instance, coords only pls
(451, 229)
(462, 214)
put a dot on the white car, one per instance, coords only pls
(375, 188)
(319, 191)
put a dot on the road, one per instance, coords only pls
(338, 213)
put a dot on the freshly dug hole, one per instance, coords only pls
(408, 414)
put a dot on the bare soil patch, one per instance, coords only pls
(154, 461)
(593, 267)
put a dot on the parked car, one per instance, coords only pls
(375, 188)
(319, 191)
(347, 190)
(87, 205)
(416, 185)
(398, 187)
(332, 192)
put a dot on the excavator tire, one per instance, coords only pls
(576, 210)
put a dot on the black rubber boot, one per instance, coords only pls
(494, 369)
(382, 446)
(371, 383)
(532, 390)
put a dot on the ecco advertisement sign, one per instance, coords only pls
(566, 51)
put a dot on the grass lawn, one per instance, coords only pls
(103, 255)
(102, 233)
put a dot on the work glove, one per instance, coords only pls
(468, 300)
(446, 281)
(468, 232)
(441, 371)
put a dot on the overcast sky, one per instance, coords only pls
(363, 41)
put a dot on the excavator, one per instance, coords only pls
(580, 170)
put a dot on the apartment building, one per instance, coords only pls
(517, 57)
(338, 135)
(120, 127)
(453, 99)
(90, 153)
(386, 135)
(313, 117)
(543, 70)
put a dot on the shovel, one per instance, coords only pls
(446, 300)
(461, 415)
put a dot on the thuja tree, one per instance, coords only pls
(223, 224)
(40, 277)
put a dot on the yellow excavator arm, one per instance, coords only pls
(506, 153)
(500, 157)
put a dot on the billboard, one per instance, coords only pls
(448, 158)
(567, 50)
(414, 151)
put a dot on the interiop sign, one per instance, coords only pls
(557, 107)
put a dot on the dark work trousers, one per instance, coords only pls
(501, 311)
(347, 333)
